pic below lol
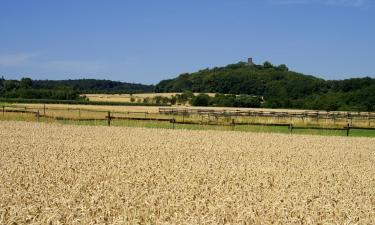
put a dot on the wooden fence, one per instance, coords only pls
(41, 112)
(269, 113)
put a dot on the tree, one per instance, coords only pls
(1, 84)
(173, 100)
(158, 99)
(201, 100)
(267, 65)
(283, 68)
(10, 85)
(147, 100)
(26, 83)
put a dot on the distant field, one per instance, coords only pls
(127, 97)
(62, 174)
(149, 108)
(149, 116)
(66, 110)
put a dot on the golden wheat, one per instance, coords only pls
(127, 97)
(61, 174)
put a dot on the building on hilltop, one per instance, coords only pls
(250, 61)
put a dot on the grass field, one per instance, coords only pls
(62, 174)
(73, 113)
(150, 109)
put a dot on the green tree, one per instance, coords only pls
(267, 65)
(201, 100)
(283, 67)
(173, 100)
(10, 85)
(26, 83)
(2, 85)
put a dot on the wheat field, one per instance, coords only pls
(63, 174)
(126, 97)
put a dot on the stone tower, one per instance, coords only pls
(250, 61)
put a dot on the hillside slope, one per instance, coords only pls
(280, 87)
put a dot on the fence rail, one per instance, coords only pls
(229, 115)
(239, 112)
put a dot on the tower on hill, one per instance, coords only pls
(250, 61)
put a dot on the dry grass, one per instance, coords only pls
(100, 112)
(150, 109)
(126, 97)
(62, 174)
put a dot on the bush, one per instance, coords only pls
(201, 100)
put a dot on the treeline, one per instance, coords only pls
(277, 87)
(93, 86)
(25, 89)
(189, 98)
(65, 89)
(220, 100)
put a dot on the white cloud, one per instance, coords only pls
(18, 59)
(356, 3)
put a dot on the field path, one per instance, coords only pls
(65, 174)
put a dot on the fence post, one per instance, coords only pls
(348, 130)
(37, 115)
(44, 109)
(109, 118)
(173, 123)
(3, 110)
(291, 128)
(369, 121)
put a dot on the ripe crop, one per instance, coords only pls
(62, 174)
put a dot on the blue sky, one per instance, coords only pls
(147, 41)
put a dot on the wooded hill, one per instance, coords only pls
(279, 87)
(236, 85)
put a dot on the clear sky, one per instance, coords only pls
(147, 41)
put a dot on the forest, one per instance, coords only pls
(276, 86)
(94, 86)
(65, 89)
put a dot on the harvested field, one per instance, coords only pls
(126, 97)
(61, 174)
(150, 109)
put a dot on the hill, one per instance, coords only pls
(279, 87)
